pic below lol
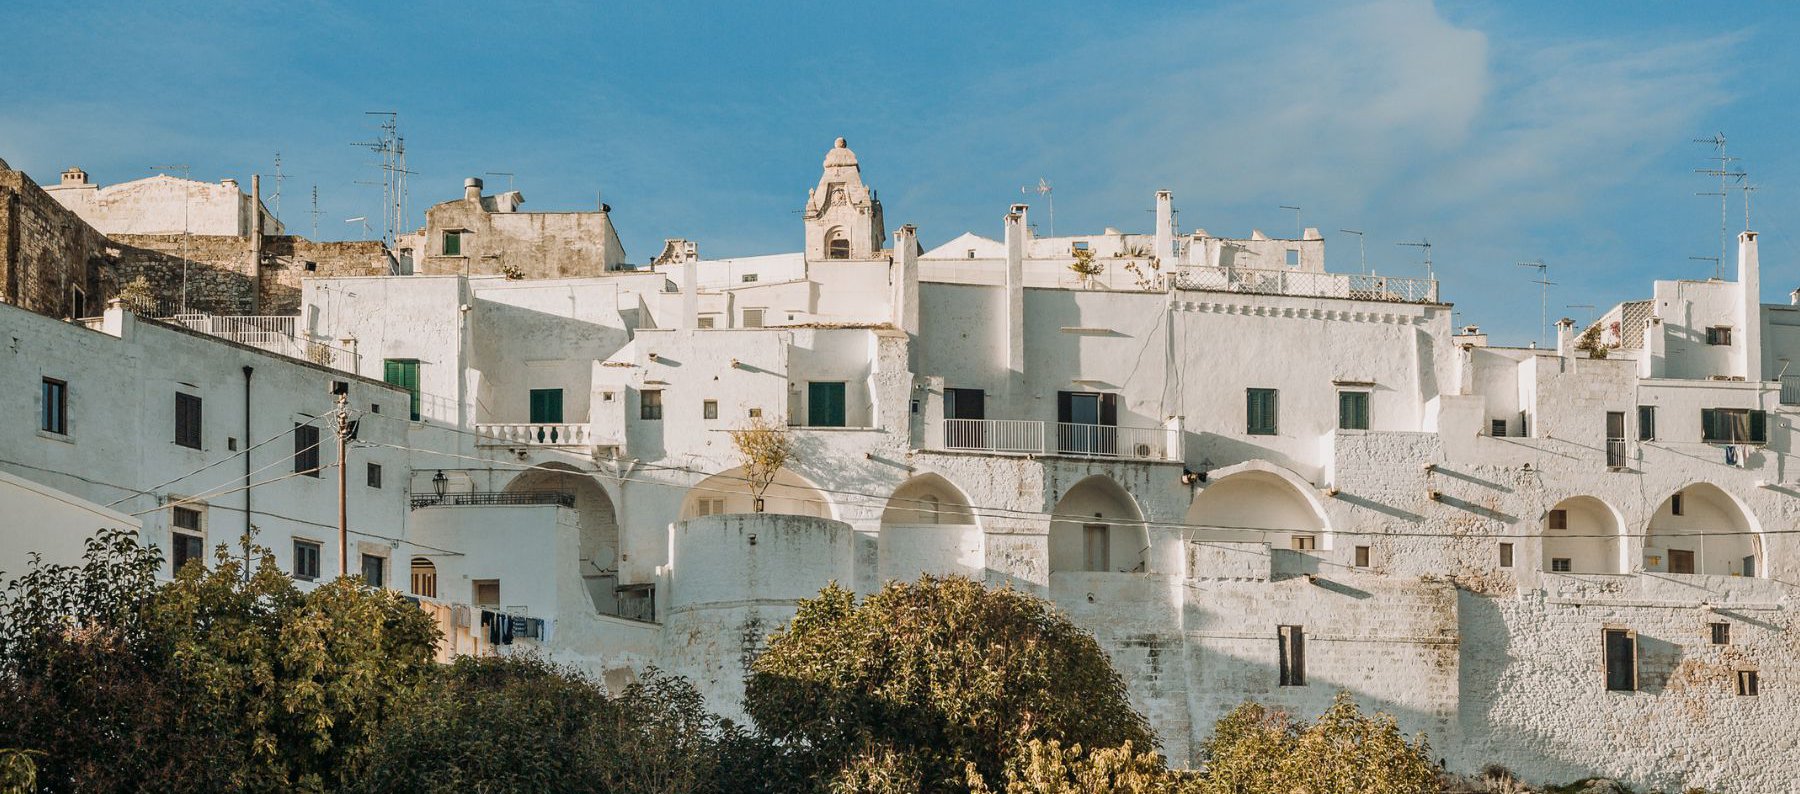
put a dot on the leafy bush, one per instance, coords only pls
(920, 681)
(1255, 750)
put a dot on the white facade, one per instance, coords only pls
(163, 204)
(1208, 441)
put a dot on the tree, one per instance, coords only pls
(213, 681)
(1049, 767)
(763, 447)
(921, 682)
(521, 723)
(1256, 750)
(1084, 265)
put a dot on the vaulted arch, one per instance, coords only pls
(1581, 535)
(1259, 504)
(1702, 529)
(729, 492)
(1097, 527)
(929, 527)
(598, 535)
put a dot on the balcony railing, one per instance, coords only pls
(1024, 436)
(1311, 284)
(494, 498)
(1108, 441)
(275, 334)
(1790, 390)
(535, 435)
(995, 435)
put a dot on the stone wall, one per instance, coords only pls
(218, 273)
(47, 253)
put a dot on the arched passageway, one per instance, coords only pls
(1702, 529)
(1097, 527)
(1581, 535)
(928, 527)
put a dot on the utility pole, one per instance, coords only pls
(343, 444)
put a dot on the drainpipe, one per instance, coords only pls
(247, 372)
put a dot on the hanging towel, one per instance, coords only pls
(1731, 455)
(505, 623)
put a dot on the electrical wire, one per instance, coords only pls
(234, 456)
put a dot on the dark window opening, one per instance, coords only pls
(1506, 555)
(1681, 561)
(452, 243)
(1646, 423)
(372, 569)
(1260, 410)
(187, 420)
(1293, 655)
(650, 405)
(825, 404)
(1734, 426)
(1746, 683)
(374, 475)
(1621, 659)
(1362, 556)
(306, 560)
(306, 450)
(1721, 633)
(1718, 335)
(54, 418)
(546, 406)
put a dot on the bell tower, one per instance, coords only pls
(843, 216)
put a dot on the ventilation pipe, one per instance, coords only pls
(1750, 308)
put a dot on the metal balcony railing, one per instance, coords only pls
(1026, 436)
(995, 435)
(535, 435)
(480, 498)
(1790, 390)
(1303, 283)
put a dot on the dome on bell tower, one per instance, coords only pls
(840, 156)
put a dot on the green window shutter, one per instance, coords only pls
(1353, 410)
(404, 372)
(1260, 408)
(546, 406)
(825, 404)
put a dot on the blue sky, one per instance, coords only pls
(1503, 132)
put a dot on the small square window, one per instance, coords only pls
(706, 321)
(312, 267)
(753, 318)
(1293, 257)
(1506, 555)
(1721, 633)
(1561, 565)
(453, 243)
(1304, 542)
(1079, 245)
(1718, 335)
(650, 405)
(374, 408)
(1362, 556)
(1675, 505)
(1559, 519)
(1498, 428)
(748, 278)
(971, 253)
(1260, 412)
(1746, 683)
(709, 409)
(756, 413)
(487, 592)
(1353, 410)
(306, 560)
(374, 475)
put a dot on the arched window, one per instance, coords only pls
(424, 577)
(837, 246)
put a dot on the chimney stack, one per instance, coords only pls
(1750, 311)
(906, 280)
(472, 189)
(256, 243)
(1165, 228)
(1565, 337)
(1015, 293)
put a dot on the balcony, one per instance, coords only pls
(1027, 437)
(1307, 284)
(275, 334)
(485, 498)
(536, 435)
(1790, 390)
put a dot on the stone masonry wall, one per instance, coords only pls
(46, 252)
(219, 268)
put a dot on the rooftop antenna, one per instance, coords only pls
(391, 146)
(1544, 284)
(509, 179)
(315, 212)
(1362, 252)
(1589, 306)
(183, 168)
(1748, 189)
(362, 219)
(1302, 232)
(1425, 243)
(278, 179)
(1043, 189)
(1722, 169)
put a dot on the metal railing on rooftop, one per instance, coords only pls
(1304, 283)
(483, 498)
(1027, 437)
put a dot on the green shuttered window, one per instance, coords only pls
(1261, 411)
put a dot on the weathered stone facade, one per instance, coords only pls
(51, 262)
(220, 269)
(487, 236)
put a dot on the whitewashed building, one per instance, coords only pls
(1250, 476)
(163, 205)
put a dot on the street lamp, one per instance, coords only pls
(440, 484)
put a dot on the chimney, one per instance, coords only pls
(1015, 293)
(1024, 213)
(1565, 337)
(1165, 227)
(256, 243)
(690, 295)
(906, 280)
(472, 189)
(1750, 311)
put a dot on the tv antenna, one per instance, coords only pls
(1544, 284)
(1590, 310)
(509, 180)
(183, 168)
(1302, 229)
(315, 212)
(1362, 252)
(1425, 243)
(1747, 188)
(278, 179)
(1044, 190)
(1723, 170)
(362, 219)
(391, 146)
